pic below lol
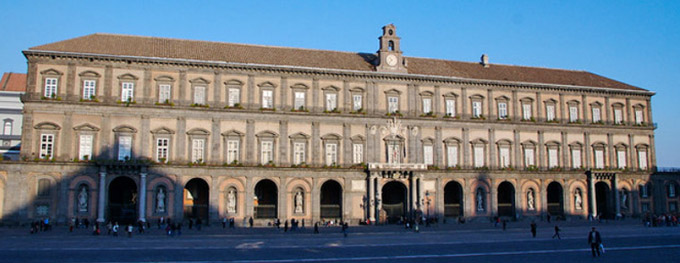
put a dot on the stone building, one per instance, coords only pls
(121, 127)
(12, 86)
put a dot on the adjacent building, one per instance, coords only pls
(12, 86)
(128, 128)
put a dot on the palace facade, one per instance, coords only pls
(129, 128)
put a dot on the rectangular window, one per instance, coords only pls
(596, 115)
(621, 159)
(552, 158)
(639, 117)
(163, 93)
(50, 87)
(393, 153)
(502, 110)
(234, 97)
(550, 112)
(124, 148)
(392, 104)
(331, 101)
(427, 105)
(233, 151)
(451, 107)
(299, 100)
(526, 111)
(618, 116)
(127, 92)
(89, 87)
(357, 103)
(197, 150)
(46, 145)
(476, 109)
(427, 155)
(529, 157)
(452, 155)
(268, 99)
(267, 152)
(673, 206)
(331, 154)
(358, 153)
(642, 160)
(576, 158)
(573, 114)
(599, 159)
(199, 95)
(299, 152)
(162, 147)
(504, 157)
(85, 147)
(479, 155)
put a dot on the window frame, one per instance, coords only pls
(357, 91)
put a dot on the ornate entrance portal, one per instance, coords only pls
(123, 200)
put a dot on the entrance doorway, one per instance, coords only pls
(196, 194)
(555, 200)
(453, 199)
(266, 195)
(602, 200)
(394, 201)
(123, 200)
(506, 199)
(331, 200)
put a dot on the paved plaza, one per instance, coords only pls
(625, 241)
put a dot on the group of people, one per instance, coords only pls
(652, 220)
(40, 225)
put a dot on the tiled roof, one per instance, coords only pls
(13, 82)
(124, 45)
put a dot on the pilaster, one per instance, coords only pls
(584, 109)
(608, 111)
(541, 152)
(437, 101)
(516, 149)
(215, 141)
(283, 143)
(71, 82)
(611, 153)
(181, 145)
(144, 132)
(539, 107)
(587, 150)
(66, 137)
(346, 97)
(515, 106)
(346, 145)
(283, 91)
(217, 91)
(105, 137)
(316, 144)
(438, 151)
(251, 93)
(250, 144)
(315, 96)
(146, 88)
(316, 202)
(489, 98)
(108, 84)
(183, 101)
(562, 113)
(464, 104)
(492, 149)
(466, 148)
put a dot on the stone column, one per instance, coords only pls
(466, 149)
(543, 207)
(439, 198)
(102, 195)
(142, 196)
(251, 93)
(315, 96)
(617, 200)
(316, 200)
(282, 200)
(489, 104)
(492, 149)
(144, 144)
(378, 199)
(607, 111)
(413, 202)
(584, 109)
(216, 141)
(493, 200)
(248, 202)
(463, 104)
(541, 152)
(371, 198)
(539, 108)
(592, 199)
(515, 108)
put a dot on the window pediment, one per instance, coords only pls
(478, 141)
(450, 95)
(393, 138)
(89, 74)
(127, 76)
(576, 145)
(428, 141)
(426, 94)
(596, 104)
(47, 126)
(572, 102)
(641, 146)
(164, 78)
(233, 82)
(393, 92)
(550, 101)
(504, 142)
(599, 145)
(162, 130)
(299, 86)
(357, 90)
(199, 81)
(357, 139)
(526, 100)
(331, 136)
(331, 89)
(198, 131)
(552, 144)
(267, 134)
(51, 72)
(529, 143)
(266, 84)
(233, 133)
(477, 97)
(620, 146)
(451, 141)
(617, 105)
(638, 106)
(299, 136)
(124, 129)
(86, 127)
(502, 99)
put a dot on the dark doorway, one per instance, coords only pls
(506, 199)
(196, 194)
(453, 199)
(331, 200)
(394, 201)
(267, 198)
(555, 200)
(602, 200)
(123, 200)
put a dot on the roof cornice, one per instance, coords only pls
(419, 77)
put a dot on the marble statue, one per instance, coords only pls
(624, 199)
(578, 202)
(160, 201)
(298, 202)
(480, 201)
(530, 199)
(82, 199)
(231, 201)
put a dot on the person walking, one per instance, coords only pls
(345, 227)
(595, 241)
(316, 228)
(129, 230)
(250, 221)
(505, 224)
(224, 222)
(533, 229)
(285, 226)
(557, 232)
(115, 229)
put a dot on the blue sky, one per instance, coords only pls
(636, 42)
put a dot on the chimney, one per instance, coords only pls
(485, 60)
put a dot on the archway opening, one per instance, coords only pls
(123, 200)
(555, 199)
(506, 199)
(196, 194)
(394, 201)
(266, 194)
(602, 200)
(331, 200)
(453, 199)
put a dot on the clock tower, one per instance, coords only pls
(390, 58)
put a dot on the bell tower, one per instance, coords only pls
(390, 57)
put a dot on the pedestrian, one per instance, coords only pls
(140, 226)
(250, 221)
(224, 222)
(115, 229)
(231, 222)
(191, 223)
(73, 222)
(533, 229)
(505, 224)
(557, 232)
(345, 227)
(178, 227)
(548, 217)
(285, 226)
(316, 228)
(109, 227)
(129, 230)
(595, 242)
(199, 223)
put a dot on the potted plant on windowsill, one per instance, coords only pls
(300, 109)
(334, 110)
(429, 114)
(359, 111)
(165, 103)
(396, 113)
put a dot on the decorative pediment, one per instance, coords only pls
(477, 96)
(573, 102)
(428, 140)
(233, 133)
(617, 105)
(331, 88)
(86, 128)
(600, 145)
(199, 81)
(596, 104)
(552, 143)
(162, 130)
(47, 126)
(393, 92)
(529, 143)
(89, 74)
(164, 78)
(51, 72)
(233, 82)
(125, 129)
(451, 141)
(576, 145)
(478, 141)
(357, 90)
(638, 106)
(331, 136)
(198, 131)
(127, 76)
(450, 95)
(550, 101)
(299, 86)
(502, 98)
(266, 84)
(641, 146)
(299, 136)
(620, 146)
(357, 139)
(267, 134)
(504, 142)
(426, 94)
(527, 99)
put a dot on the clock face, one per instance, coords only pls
(391, 60)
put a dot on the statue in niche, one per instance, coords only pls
(160, 201)
(530, 199)
(231, 201)
(578, 202)
(480, 200)
(82, 199)
(624, 199)
(298, 202)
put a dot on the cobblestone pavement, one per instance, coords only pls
(625, 241)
